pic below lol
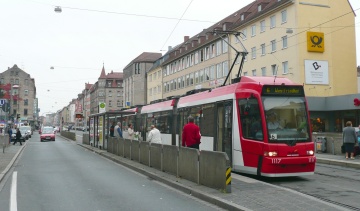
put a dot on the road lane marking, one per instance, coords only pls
(13, 200)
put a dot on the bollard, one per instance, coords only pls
(228, 180)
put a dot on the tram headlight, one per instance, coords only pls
(270, 154)
(310, 152)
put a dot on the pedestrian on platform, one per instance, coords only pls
(130, 131)
(191, 134)
(349, 140)
(154, 135)
(18, 136)
(117, 131)
(112, 129)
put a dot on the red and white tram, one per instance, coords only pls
(262, 123)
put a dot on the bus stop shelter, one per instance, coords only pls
(99, 126)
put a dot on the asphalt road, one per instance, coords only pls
(61, 175)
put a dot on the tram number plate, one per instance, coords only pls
(276, 161)
(273, 136)
(312, 160)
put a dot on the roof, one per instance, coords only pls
(149, 57)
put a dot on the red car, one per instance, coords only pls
(47, 134)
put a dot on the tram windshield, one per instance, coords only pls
(286, 119)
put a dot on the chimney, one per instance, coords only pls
(186, 38)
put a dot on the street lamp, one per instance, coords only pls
(58, 9)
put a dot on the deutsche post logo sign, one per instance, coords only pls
(315, 42)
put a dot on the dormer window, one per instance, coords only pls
(259, 8)
(242, 17)
(207, 36)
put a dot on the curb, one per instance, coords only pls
(177, 185)
(350, 164)
(6, 170)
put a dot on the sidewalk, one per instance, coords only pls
(247, 193)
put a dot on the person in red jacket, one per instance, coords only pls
(191, 134)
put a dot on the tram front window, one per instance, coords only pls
(286, 119)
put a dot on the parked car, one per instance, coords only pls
(86, 128)
(27, 129)
(47, 134)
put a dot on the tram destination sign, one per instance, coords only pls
(283, 90)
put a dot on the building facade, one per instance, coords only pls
(311, 43)
(22, 94)
(135, 87)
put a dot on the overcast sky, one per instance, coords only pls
(89, 33)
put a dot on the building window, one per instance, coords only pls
(201, 76)
(164, 88)
(196, 77)
(25, 112)
(26, 102)
(183, 81)
(285, 67)
(273, 45)
(253, 30)
(212, 50)
(219, 70)
(26, 82)
(207, 53)
(109, 84)
(253, 53)
(253, 72)
(26, 92)
(118, 94)
(110, 103)
(259, 8)
(119, 84)
(284, 42)
(191, 79)
(2, 81)
(218, 47)
(263, 52)
(196, 57)
(273, 69)
(225, 68)
(244, 31)
(225, 45)
(245, 73)
(110, 93)
(242, 17)
(272, 22)
(283, 16)
(16, 81)
(212, 73)
(263, 71)
(118, 103)
(207, 74)
(262, 26)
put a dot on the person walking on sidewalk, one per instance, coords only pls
(191, 134)
(18, 136)
(349, 139)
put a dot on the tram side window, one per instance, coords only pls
(204, 117)
(160, 120)
(251, 124)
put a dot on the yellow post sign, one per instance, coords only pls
(315, 42)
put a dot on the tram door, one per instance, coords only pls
(224, 128)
